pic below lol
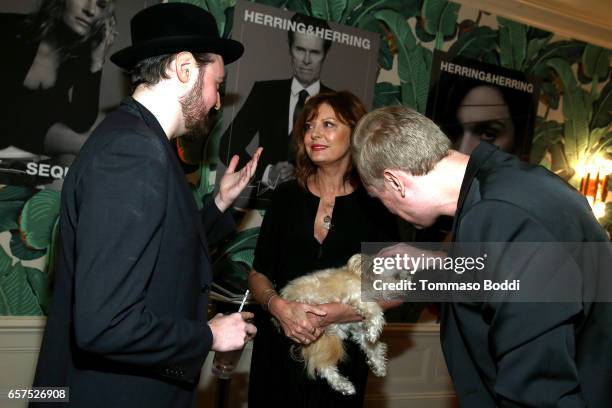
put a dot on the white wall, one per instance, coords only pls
(416, 377)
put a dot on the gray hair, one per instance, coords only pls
(396, 137)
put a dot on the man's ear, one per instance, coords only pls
(395, 180)
(185, 66)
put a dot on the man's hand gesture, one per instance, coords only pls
(232, 183)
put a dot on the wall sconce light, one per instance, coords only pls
(594, 183)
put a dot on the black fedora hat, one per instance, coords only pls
(174, 27)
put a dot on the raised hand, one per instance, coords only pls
(102, 43)
(232, 183)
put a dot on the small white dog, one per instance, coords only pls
(341, 285)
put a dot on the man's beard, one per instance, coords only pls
(193, 106)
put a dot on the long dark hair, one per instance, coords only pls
(348, 108)
(449, 90)
(521, 107)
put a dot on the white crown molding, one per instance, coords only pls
(589, 21)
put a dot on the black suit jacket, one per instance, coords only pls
(265, 112)
(526, 354)
(128, 324)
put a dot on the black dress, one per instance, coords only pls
(287, 249)
(25, 114)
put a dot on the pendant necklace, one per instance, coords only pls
(326, 206)
(327, 222)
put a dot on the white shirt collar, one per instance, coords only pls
(312, 89)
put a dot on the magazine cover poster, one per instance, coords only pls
(58, 83)
(473, 101)
(287, 57)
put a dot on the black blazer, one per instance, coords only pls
(266, 113)
(128, 324)
(526, 354)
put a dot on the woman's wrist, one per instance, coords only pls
(355, 316)
(344, 313)
(266, 297)
(273, 304)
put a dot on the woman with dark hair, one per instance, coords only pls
(477, 111)
(316, 221)
(52, 75)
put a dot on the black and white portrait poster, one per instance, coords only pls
(472, 101)
(288, 58)
(57, 81)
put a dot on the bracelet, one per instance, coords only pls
(267, 291)
(269, 299)
(266, 302)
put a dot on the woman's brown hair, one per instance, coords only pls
(348, 108)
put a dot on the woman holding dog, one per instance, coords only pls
(316, 221)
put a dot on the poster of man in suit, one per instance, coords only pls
(288, 58)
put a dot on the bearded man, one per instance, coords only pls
(128, 324)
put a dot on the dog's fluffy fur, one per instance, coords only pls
(341, 285)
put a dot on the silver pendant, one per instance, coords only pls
(327, 222)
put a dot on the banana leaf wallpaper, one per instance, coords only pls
(572, 127)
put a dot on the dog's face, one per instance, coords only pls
(363, 265)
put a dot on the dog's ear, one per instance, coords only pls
(354, 264)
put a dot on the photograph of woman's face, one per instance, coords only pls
(80, 16)
(484, 115)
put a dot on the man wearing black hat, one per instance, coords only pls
(128, 326)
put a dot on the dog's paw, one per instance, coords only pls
(372, 333)
(381, 350)
(346, 388)
(378, 360)
(379, 369)
(339, 382)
